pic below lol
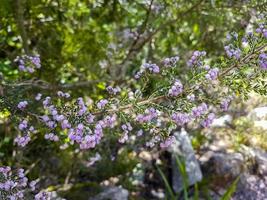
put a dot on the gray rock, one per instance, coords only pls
(261, 160)
(222, 121)
(259, 117)
(225, 165)
(112, 193)
(183, 147)
(259, 157)
(251, 187)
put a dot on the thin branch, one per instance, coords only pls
(162, 97)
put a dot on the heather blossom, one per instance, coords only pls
(126, 129)
(28, 63)
(176, 89)
(22, 105)
(225, 104)
(112, 90)
(232, 52)
(38, 97)
(263, 60)
(212, 74)
(153, 68)
(195, 59)
(171, 62)
(208, 121)
(102, 103)
(199, 110)
(181, 118)
(191, 97)
(166, 143)
(150, 114)
(22, 140)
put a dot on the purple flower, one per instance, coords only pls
(176, 89)
(208, 121)
(232, 52)
(263, 60)
(212, 74)
(138, 75)
(171, 62)
(28, 63)
(22, 140)
(22, 105)
(102, 103)
(46, 102)
(90, 118)
(199, 110)
(195, 59)
(153, 68)
(38, 97)
(191, 97)
(112, 90)
(181, 118)
(23, 125)
(225, 104)
(150, 114)
(140, 132)
(62, 94)
(167, 142)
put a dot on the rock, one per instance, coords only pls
(222, 121)
(259, 116)
(251, 187)
(259, 113)
(259, 158)
(112, 193)
(183, 147)
(261, 161)
(224, 165)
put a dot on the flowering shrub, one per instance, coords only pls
(132, 115)
(15, 185)
(76, 122)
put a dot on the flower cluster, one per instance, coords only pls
(102, 103)
(113, 90)
(176, 89)
(27, 131)
(148, 116)
(38, 97)
(62, 94)
(29, 63)
(199, 110)
(212, 74)
(22, 105)
(262, 29)
(14, 184)
(208, 121)
(126, 129)
(191, 97)
(232, 52)
(167, 142)
(225, 104)
(43, 195)
(170, 62)
(181, 118)
(152, 68)
(263, 60)
(196, 58)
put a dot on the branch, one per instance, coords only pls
(164, 97)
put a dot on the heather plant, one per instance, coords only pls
(83, 123)
(142, 110)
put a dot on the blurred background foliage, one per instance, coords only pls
(85, 44)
